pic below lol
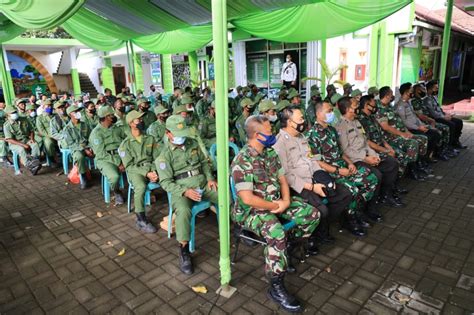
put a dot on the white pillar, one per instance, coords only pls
(312, 67)
(240, 63)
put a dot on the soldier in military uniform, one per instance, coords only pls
(247, 108)
(20, 137)
(300, 166)
(75, 137)
(310, 113)
(207, 126)
(138, 152)
(58, 122)
(21, 107)
(203, 104)
(263, 198)
(105, 140)
(362, 183)
(148, 116)
(186, 109)
(185, 173)
(267, 108)
(43, 123)
(90, 115)
(176, 97)
(255, 94)
(398, 136)
(355, 146)
(376, 140)
(435, 111)
(347, 88)
(157, 129)
(239, 95)
(3, 144)
(32, 118)
(330, 91)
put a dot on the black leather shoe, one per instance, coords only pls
(350, 224)
(280, 295)
(400, 190)
(442, 157)
(459, 145)
(362, 220)
(392, 202)
(374, 215)
(312, 248)
(185, 262)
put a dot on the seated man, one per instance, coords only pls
(436, 112)
(21, 139)
(263, 198)
(158, 128)
(58, 122)
(89, 115)
(186, 174)
(3, 144)
(105, 140)
(362, 183)
(43, 129)
(267, 108)
(148, 116)
(207, 126)
(300, 167)
(247, 108)
(414, 124)
(75, 137)
(138, 151)
(355, 146)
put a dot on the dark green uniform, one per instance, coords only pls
(207, 130)
(157, 130)
(91, 121)
(43, 123)
(3, 143)
(420, 108)
(260, 174)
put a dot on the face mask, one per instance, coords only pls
(92, 111)
(191, 108)
(178, 140)
(288, 59)
(273, 118)
(141, 126)
(80, 105)
(78, 115)
(422, 94)
(127, 108)
(412, 95)
(114, 119)
(269, 140)
(330, 117)
(48, 110)
(300, 127)
(14, 116)
(33, 114)
(144, 109)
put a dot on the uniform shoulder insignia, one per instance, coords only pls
(287, 137)
(162, 165)
(96, 141)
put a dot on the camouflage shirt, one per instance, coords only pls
(324, 143)
(419, 107)
(256, 172)
(372, 128)
(388, 114)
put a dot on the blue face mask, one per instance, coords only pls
(48, 110)
(178, 140)
(269, 140)
(330, 117)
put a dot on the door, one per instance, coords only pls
(119, 79)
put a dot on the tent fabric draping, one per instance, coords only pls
(292, 21)
(8, 29)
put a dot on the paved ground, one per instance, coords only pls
(57, 256)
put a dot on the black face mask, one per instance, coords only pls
(300, 127)
(122, 109)
(412, 95)
(422, 94)
(114, 119)
(374, 109)
(141, 126)
(92, 111)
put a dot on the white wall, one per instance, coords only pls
(63, 82)
(90, 64)
(146, 71)
(49, 61)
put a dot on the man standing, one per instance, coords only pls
(186, 174)
(138, 152)
(289, 72)
(300, 166)
(263, 198)
(105, 140)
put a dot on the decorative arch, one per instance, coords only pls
(38, 66)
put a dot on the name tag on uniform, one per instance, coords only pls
(350, 130)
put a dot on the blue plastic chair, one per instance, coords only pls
(287, 225)
(213, 150)
(16, 163)
(66, 156)
(151, 186)
(195, 210)
(106, 187)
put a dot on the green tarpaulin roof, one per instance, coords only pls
(171, 26)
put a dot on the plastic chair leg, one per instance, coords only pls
(237, 244)
(191, 241)
(65, 160)
(16, 163)
(106, 189)
(129, 199)
(121, 182)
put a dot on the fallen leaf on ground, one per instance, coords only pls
(110, 243)
(99, 214)
(401, 297)
(328, 269)
(199, 289)
(122, 252)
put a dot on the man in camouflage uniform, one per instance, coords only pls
(255, 94)
(267, 108)
(184, 173)
(104, 141)
(157, 129)
(398, 136)
(138, 152)
(207, 126)
(75, 137)
(310, 113)
(263, 198)
(247, 108)
(324, 143)
(148, 116)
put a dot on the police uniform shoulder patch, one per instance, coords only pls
(287, 137)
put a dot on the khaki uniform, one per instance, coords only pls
(74, 138)
(20, 130)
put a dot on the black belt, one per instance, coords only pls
(188, 174)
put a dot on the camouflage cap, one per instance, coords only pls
(356, 92)
(245, 89)
(266, 105)
(105, 110)
(30, 107)
(186, 100)
(247, 102)
(72, 108)
(314, 87)
(373, 90)
(331, 87)
(47, 102)
(59, 104)
(335, 98)
(160, 109)
(315, 93)
(176, 124)
(282, 105)
(132, 115)
(142, 100)
(179, 109)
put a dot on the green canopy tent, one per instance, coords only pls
(162, 26)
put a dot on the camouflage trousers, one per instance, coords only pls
(406, 151)
(444, 129)
(267, 225)
(422, 144)
(362, 185)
